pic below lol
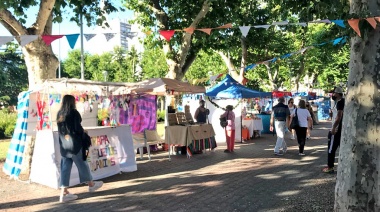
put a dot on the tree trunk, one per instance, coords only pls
(41, 62)
(358, 180)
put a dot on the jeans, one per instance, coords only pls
(83, 169)
(280, 131)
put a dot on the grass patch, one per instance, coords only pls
(4, 145)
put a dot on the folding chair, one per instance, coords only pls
(152, 138)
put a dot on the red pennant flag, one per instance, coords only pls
(206, 30)
(48, 39)
(229, 25)
(167, 34)
(354, 23)
(377, 19)
(189, 30)
(372, 21)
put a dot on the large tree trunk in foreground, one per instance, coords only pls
(40, 61)
(358, 180)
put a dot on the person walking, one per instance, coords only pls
(280, 118)
(292, 107)
(71, 143)
(336, 130)
(201, 113)
(309, 128)
(230, 128)
(304, 121)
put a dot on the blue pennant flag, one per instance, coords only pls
(286, 55)
(337, 40)
(72, 39)
(339, 23)
(250, 67)
(273, 60)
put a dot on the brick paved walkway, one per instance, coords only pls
(251, 179)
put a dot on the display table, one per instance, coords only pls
(111, 152)
(191, 135)
(253, 125)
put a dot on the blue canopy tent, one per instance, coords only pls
(229, 88)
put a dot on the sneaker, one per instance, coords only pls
(284, 150)
(68, 197)
(97, 185)
(278, 153)
(328, 170)
(301, 154)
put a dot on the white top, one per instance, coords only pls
(302, 114)
(291, 109)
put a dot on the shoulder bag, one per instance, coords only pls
(295, 122)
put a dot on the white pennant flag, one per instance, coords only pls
(262, 26)
(5, 39)
(25, 39)
(109, 36)
(244, 30)
(89, 36)
(280, 23)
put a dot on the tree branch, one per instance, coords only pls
(11, 23)
(46, 7)
(189, 60)
(186, 39)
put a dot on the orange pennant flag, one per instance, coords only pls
(167, 34)
(354, 23)
(229, 25)
(189, 30)
(372, 21)
(148, 32)
(206, 30)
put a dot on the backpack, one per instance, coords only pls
(223, 121)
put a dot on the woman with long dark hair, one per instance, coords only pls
(71, 135)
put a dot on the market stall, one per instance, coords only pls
(37, 111)
(225, 91)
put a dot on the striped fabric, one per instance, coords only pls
(12, 165)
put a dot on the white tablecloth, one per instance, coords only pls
(253, 125)
(111, 152)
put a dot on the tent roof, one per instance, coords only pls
(160, 86)
(230, 89)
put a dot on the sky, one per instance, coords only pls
(61, 46)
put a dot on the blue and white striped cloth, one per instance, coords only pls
(13, 162)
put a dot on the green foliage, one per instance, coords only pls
(4, 146)
(13, 74)
(160, 115)
(7, 123)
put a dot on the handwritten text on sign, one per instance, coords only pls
(102, 153)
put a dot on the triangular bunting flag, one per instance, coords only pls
(189, 30)
(354, 23)
(72, 39)
(206, 30)
(280, 23)
(372, 21)
(48, 39)
(262, 26)
(337, 41)
(244, 30)
(148, 32)
(25, 39)
(89, 36)
(249, 67)
(339, 23)
(304, 24)
(327, 21)
(377, 19)
(167, 34)
(5, 39)
(286, 55)
(229, 25)
(109, 36)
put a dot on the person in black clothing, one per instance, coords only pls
(336, 130)
(201, 113)
(279, 120)
(71, 143)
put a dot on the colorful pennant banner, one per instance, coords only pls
(336, 41)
